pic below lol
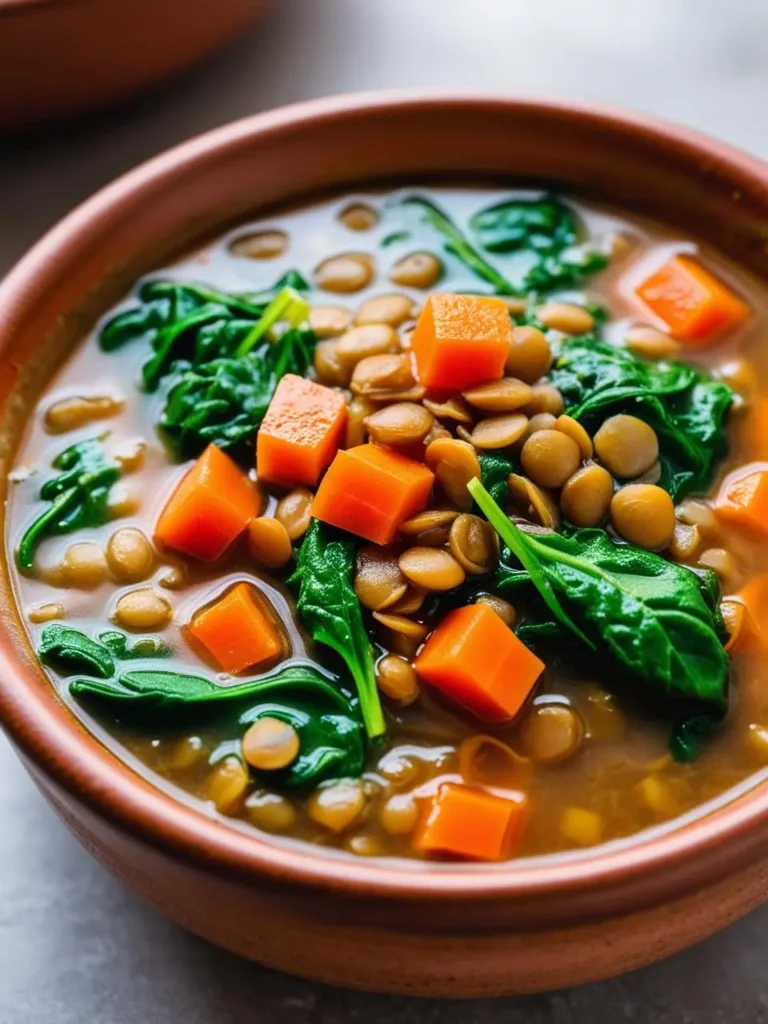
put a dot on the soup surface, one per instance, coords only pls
(489, 581)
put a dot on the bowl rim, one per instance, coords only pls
(55, 741)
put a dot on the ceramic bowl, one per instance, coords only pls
(447, 929)
(62, 56)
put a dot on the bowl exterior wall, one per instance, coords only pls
(312, 940)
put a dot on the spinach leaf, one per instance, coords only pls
(564, 269)
(330, 736)
(690, 736)
(547, 227)
(70, 651)
(687, 409)
(543, 225)
(329, 606)
(78, 496)
(223, 367)
(164, 303)
(494, 472)
(456, 244)
(649, 617)
(224, 401)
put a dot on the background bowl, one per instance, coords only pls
(62, 56)
(408, 927)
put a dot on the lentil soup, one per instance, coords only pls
(429, 524)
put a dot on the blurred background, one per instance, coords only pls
(75, 948)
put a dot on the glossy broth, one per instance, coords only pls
(622, 774)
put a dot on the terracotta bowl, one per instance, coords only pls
(61, 56)
(386, 925)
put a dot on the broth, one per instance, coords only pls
(614, 775)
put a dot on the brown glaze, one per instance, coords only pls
(61, 56)
(448, 929)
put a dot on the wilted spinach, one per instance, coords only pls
(330, 609)
(330, 736)
(164, 303)
(70, 651)
(78, 496)
(214, 349)
(223, 401)
(494, 473)
(457, 244)
(687, 409)
(651, 619)
(547, 227)
(544, 225)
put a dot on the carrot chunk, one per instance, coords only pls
(475, 659)
(300, 433)
(209, 509)
(370, 490)
(691, 301)
(466, 822)
(236, 631)
(461, 340)
(749, 630)
(743, 500)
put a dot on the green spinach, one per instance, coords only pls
(70, 651)
(164, 303)
(330, 609)
(494, 473)
(457, 244)
(224, 401)
(78, 496)
(687, 409)
(650, 618)
(330, 736)
(195, 324)
(543, 225)
(546, 227)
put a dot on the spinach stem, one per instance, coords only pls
(286, 305)
(525, 549)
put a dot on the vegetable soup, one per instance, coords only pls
(426, 524)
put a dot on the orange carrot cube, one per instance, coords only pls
(236, 631)
(370, 490)
(209, 509)
(462, 821)
(743, 500)
(474, 658)
(693, 304)
(460, 340)
(751, 633)
(300, 433)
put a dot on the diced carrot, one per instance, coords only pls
(743, 499)
(460, 340)
(369, 491)
(756, 428)
(476, 660)
(236, 631)
(466, 822)
(209, 509)
(746, 615)
(693, 304)
(300, 433)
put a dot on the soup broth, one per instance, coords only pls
(604, 717)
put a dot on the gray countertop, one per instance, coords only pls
(75, 948)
